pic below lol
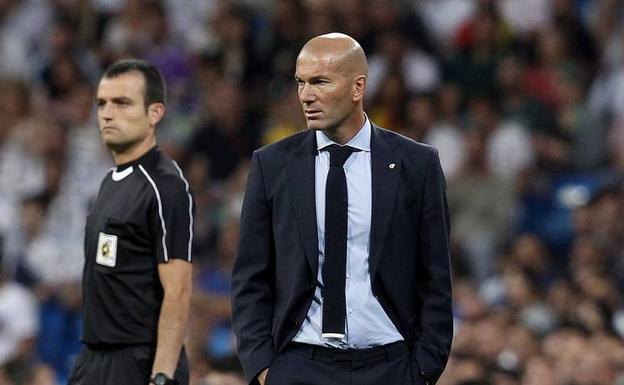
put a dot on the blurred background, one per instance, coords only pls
(524, 99)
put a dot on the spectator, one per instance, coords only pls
(230, 134)
(19, 319)
(480, 201)
(418, 69)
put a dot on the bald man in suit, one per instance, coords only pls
(342, 274)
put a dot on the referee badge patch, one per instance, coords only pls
(107, 250)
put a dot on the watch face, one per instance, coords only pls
(160, 379)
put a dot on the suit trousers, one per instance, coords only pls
(302, 364)
(120, 365)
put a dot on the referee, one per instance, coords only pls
(137, 273)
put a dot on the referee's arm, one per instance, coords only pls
(175, 277)
(173, 229)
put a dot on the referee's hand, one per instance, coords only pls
(262, 376)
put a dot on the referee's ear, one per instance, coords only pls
(155, 113)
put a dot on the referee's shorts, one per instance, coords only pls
(120, 365)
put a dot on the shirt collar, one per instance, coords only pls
(149, 157)
(361, 140)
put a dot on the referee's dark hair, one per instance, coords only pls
(155, 89)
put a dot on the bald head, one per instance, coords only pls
(337, 50)
(331, 82)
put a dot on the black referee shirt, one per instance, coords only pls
(143, 216)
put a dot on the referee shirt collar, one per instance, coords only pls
(148, 158)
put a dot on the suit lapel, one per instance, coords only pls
(301, 180)
(386, 166)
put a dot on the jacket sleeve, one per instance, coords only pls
(252, 278)
(435, 329)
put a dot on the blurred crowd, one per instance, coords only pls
(523, 99)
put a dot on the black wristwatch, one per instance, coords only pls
(163, 379)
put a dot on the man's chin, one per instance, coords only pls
(116, 146)
(315, 125)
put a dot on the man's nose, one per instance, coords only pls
(306, 95)
(105, 112)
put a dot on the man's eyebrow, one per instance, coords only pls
(116, 100)
(314, 78)
(121, 99)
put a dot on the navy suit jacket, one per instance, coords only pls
(276, 267)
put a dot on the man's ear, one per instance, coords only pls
(359, 87)
(155, 113)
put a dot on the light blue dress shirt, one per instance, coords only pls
(367, 323)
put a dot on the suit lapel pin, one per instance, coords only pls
(391, 165)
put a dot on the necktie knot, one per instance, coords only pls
(338, 155)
